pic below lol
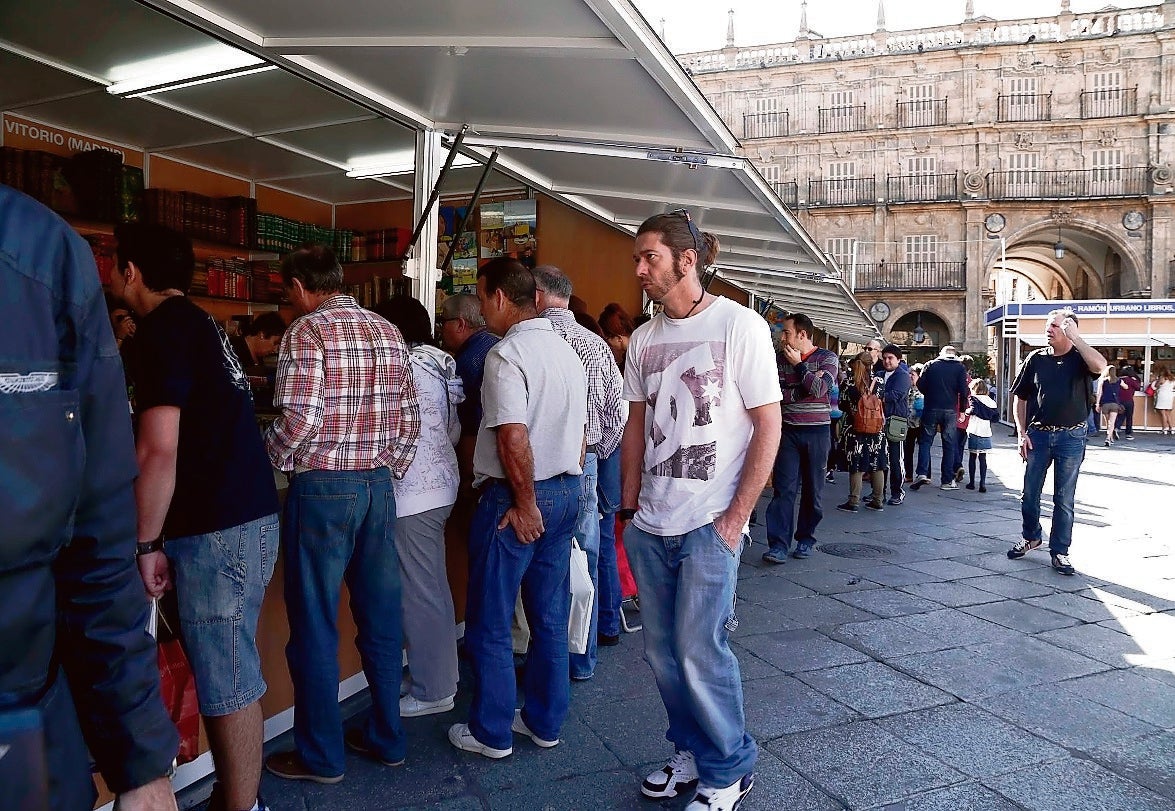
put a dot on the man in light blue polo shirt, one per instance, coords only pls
(526, 466)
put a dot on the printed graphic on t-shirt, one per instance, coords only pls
(232, 364)
(687, 384)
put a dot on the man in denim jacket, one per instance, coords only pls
(73, 643)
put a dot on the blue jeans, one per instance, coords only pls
(499, 565)
(800, 465)
(939, 419)
(1064, 450)
(587, 532)
(608, 597)
(687, 585)
(341, 525)
(220, 580)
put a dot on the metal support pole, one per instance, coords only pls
(434, 195)
(489, 167)
(420, 265)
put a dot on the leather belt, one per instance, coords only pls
(1053, 429)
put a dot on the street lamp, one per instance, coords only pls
(919, 333)
(1059, 247)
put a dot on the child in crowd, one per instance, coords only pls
(980, 413)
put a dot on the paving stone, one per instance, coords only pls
(1097, 642)
(1020, 617)
(1139, 602)
(832, 760)
(1036, 569)
(778, 786)
(821, 611)
(887, 638)
(1047, 662)
(949, 569)
(1066, 718)
(971, 739)
(956, 628)
(997, 561)
(1149, 761)
(887, 574)
(1129, 691)
(964, 797)
(767, 590)
(952, 594)
(1153, 633)
(1065, 785)
(758, 619)
(463, 803)
(888, 602)
(750, 666)
(831, 582)
(613, 789)
(963, 673)
(874, 689)
(633, 731)
(1074, 605)
(784, 705)
(795, 651)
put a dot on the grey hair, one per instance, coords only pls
(553, 281)
(464, 306)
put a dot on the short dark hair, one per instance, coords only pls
(270, 324)
(614, 321)
(679, 233)
(316, 267)
(801, 323)
(162, 255)
(892, 349)
(512, 277)
(410, 316)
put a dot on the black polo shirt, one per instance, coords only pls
(1055, 386)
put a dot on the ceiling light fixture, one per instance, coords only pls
(207, 63)
(135, 89)
(398, 163)
(1059, 247)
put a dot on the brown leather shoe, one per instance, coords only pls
(289, 766)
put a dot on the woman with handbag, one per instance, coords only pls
(865, 447)
(1107, 400)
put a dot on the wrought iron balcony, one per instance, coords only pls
(851, 191)
(912, 276)
(766, 125)
(1025, 184)
(788, 192)
(921, 188)
(1024, 107)
(922, 113)
(841, 119)
(1109, 103)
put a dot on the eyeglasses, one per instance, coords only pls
(447, 320)
(697, 236)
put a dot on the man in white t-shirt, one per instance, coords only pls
(701, 437)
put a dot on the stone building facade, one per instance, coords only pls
(946, 169)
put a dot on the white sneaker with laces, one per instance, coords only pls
(412, 707)
(675, 778)
(709, 798)
(521, 728)
(462, 738)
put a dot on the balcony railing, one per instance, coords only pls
(922, 113)
(852, 191)
(1109, 103)
(921, 188)
(912, 276)
(766, 125)
(788, 192)
(1025, 184)
(1024, 107)
(841, 119)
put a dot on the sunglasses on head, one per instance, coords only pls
(697, 236)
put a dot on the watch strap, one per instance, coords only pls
(147, 547)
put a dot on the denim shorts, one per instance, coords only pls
(220, 580)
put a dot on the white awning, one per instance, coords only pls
(582, 99)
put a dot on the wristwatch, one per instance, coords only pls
(626, 514)
(147, 547)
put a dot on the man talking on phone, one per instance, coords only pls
(1052, 399)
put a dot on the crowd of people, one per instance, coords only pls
(532, 424)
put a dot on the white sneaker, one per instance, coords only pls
(521, 728)
(709, 798)
(462, 738)
(949, 486)
(411, 706)
(674, 779)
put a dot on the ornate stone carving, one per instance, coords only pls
(1024, 140)
(973, 181)
(1107, 136)
(1108, 54)
(1161, 174)
(841, 150)
(1066, 59)
(922, 144)
(1062, 215)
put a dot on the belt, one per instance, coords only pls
(594, 448)
(1053, 429)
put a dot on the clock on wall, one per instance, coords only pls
(1133, 220)
(995, 223)
(879, 311)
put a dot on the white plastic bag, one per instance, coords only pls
(583, 596)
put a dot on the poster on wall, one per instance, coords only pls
(490, 237)
(519, 230)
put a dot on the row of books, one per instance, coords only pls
(281, 234)
(94, 184)
(227, 220)
(387, 243)
(377, 289)
(238, 278)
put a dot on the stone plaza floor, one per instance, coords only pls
(908, 664)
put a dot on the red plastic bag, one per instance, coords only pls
(177, 685)
(962, 420)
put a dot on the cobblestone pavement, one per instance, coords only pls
(908, 664)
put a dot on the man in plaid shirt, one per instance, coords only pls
(349, 422)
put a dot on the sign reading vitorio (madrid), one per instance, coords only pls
(24, 134)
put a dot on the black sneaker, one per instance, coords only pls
(875, 505)
(848, 507)
(357, 741)
(1061, 564)
(676, 778)
(828, 477)
(1023, 548)
(982, 488)
(895, 500)
(970, 485)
